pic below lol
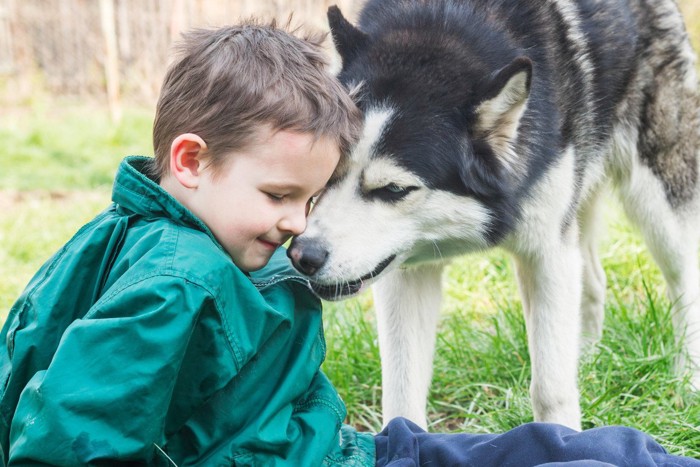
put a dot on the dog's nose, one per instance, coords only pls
(308, 256)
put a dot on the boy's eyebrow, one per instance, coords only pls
(286, 186)
(289, 186)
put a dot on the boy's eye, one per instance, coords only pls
(275, 196)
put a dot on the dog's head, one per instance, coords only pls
(430, 174)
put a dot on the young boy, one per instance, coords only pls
(171, 329)
(150, 336)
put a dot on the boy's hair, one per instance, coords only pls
(226, 83)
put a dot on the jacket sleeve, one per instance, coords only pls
(107, 394)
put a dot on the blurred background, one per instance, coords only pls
(114, 52)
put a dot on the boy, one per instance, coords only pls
(146, 337)
(171, 330)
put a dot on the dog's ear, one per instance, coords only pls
(503, 102)
(347, 38)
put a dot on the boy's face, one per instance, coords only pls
(262, 195)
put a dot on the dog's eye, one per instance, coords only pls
(392, 192)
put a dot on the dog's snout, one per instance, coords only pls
(308, 256)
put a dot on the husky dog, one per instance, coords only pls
(499, 123)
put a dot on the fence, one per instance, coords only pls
(120, 48)
(116, 48)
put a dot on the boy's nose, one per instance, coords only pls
(294, 222)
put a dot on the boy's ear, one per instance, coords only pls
(186, 159)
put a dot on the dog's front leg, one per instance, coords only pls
(550, 285)
(408, 305)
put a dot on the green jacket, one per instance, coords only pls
(140, 341)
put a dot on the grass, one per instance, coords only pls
(69, 147)
(61, 166)
(482, 368)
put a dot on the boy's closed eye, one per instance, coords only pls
(280, 197)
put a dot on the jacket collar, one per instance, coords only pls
(136, 193)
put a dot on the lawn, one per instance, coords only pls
(62, 159)
(62, 166)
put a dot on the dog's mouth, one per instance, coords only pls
(339, 290)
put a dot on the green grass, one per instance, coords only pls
(70, 147)
(482, 369)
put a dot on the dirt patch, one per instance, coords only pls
(15, 199)
(50, 207)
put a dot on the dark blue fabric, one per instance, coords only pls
(404, 444)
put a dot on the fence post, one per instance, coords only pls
(112, 59)
(7, 64)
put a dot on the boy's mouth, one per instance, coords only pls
(268, 244)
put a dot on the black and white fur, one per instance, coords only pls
(499, 123)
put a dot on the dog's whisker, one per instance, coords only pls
(437, 248)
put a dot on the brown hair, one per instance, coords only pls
(226, 83)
